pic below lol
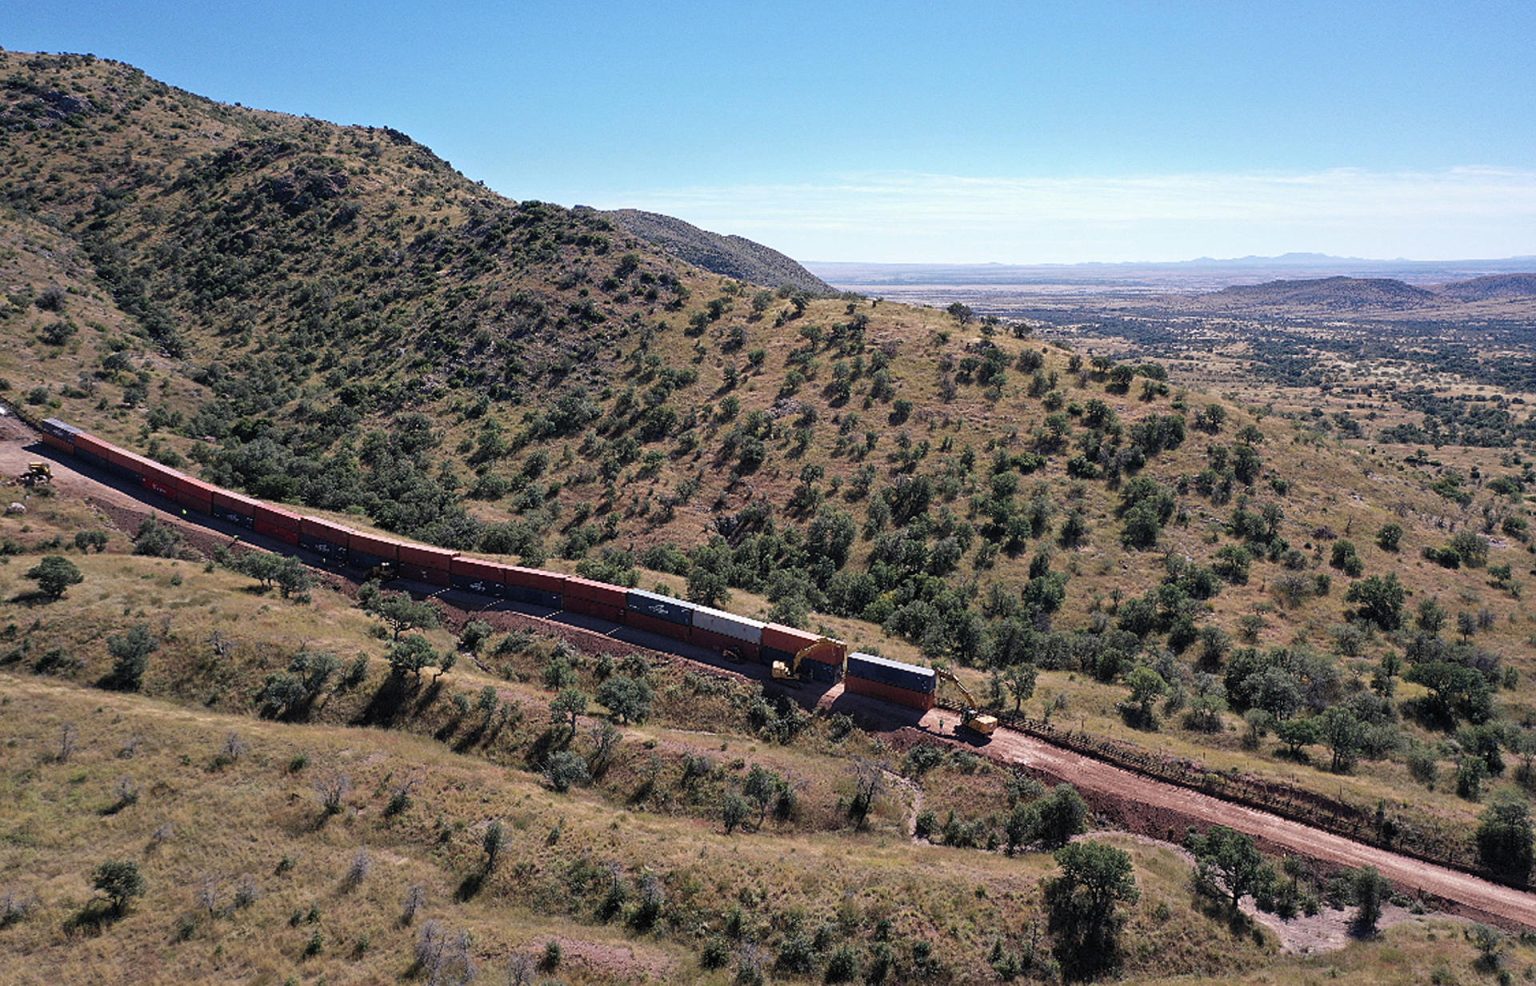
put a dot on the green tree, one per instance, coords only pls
(1020, 679)
(1084, 906)
(120, 882)
(629, 699)
(1371, 891)
(54, 574)
(1390, 537)
(157, 539)
(1504, 838)
(1380, 599)
(399, 610)
(567, 707)
(1146, 687)
(1228, 862)
(1342, 732)
(734, 810)
(564, 770)
(411, 656)
(1295, 734)
(130, 657)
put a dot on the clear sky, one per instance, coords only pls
(915, 131)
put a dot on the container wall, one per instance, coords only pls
(58, 443)
(479, 585)
(660, 607)
(233, 507)
(271, 530)
(534, 597)
(656, 625)
(329, 550)
(784, 638)
(720, 644)
(278, 519)
(368, 550)
(893, 673)
(427, 556)
(739, 628)
(591, 607)
(600, 592)
(898, 696)
(535, 578)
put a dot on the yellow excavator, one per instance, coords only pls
(791, 671)
(970, 717)
(37, 474)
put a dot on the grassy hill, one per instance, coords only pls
(332, 316)
(731, 256)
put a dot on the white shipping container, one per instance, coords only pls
(729, 625)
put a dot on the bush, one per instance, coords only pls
(564, 770)
(54, 575)
(1504, 839)
(130, 653)
(157, 540)
(119, 881)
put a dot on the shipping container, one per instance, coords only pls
(826, 674)
(194, 494)
(768, 655)
(269, 529)
(591, 607)
(783, 638)
(720, 644)
(58, 442)
(725, 624)
(613, 596)
(652, 624)
(535, 597)
(368, 550)
(474, 575)
(888, 693)
(426, 573)
(660, 607)
(276, 518)
(325, 537)
(426, 556)
(234, 507)
(535, 578)
(60, 429)
(93, 450)
(894, 673)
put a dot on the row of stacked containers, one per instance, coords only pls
(676, 619)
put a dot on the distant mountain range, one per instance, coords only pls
(1356, 293)
(1202, 274)
(731, 256)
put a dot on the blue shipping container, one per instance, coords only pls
(660, 607)
(894, 673)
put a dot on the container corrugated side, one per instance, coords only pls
(740, 628)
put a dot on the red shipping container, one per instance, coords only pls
(125, 460)
(94, 445)
(478, 568)
(788, 639)
(888, 693)
(325, 530)
(278, 518)
(234, 502)
(431, 576)
(591, 607)
(287, 535)
(665, 628)
(54, 441)
(720, 643)
(194, 494)
(384, 549)
(615, 596)
(426, 556)
(535, 578)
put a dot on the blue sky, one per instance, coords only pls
(1010, 132)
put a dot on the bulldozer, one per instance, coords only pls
(790, 671)
(971, 717)
(37, 474)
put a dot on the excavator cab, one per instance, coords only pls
(37, 474)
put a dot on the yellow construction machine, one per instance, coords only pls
(791, 671)
(37, 474)
(971, 718)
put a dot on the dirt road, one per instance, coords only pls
(1146, 806)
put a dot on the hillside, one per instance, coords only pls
(1338, 293)
(334, 317)
(730, 256)
(1492, 287)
